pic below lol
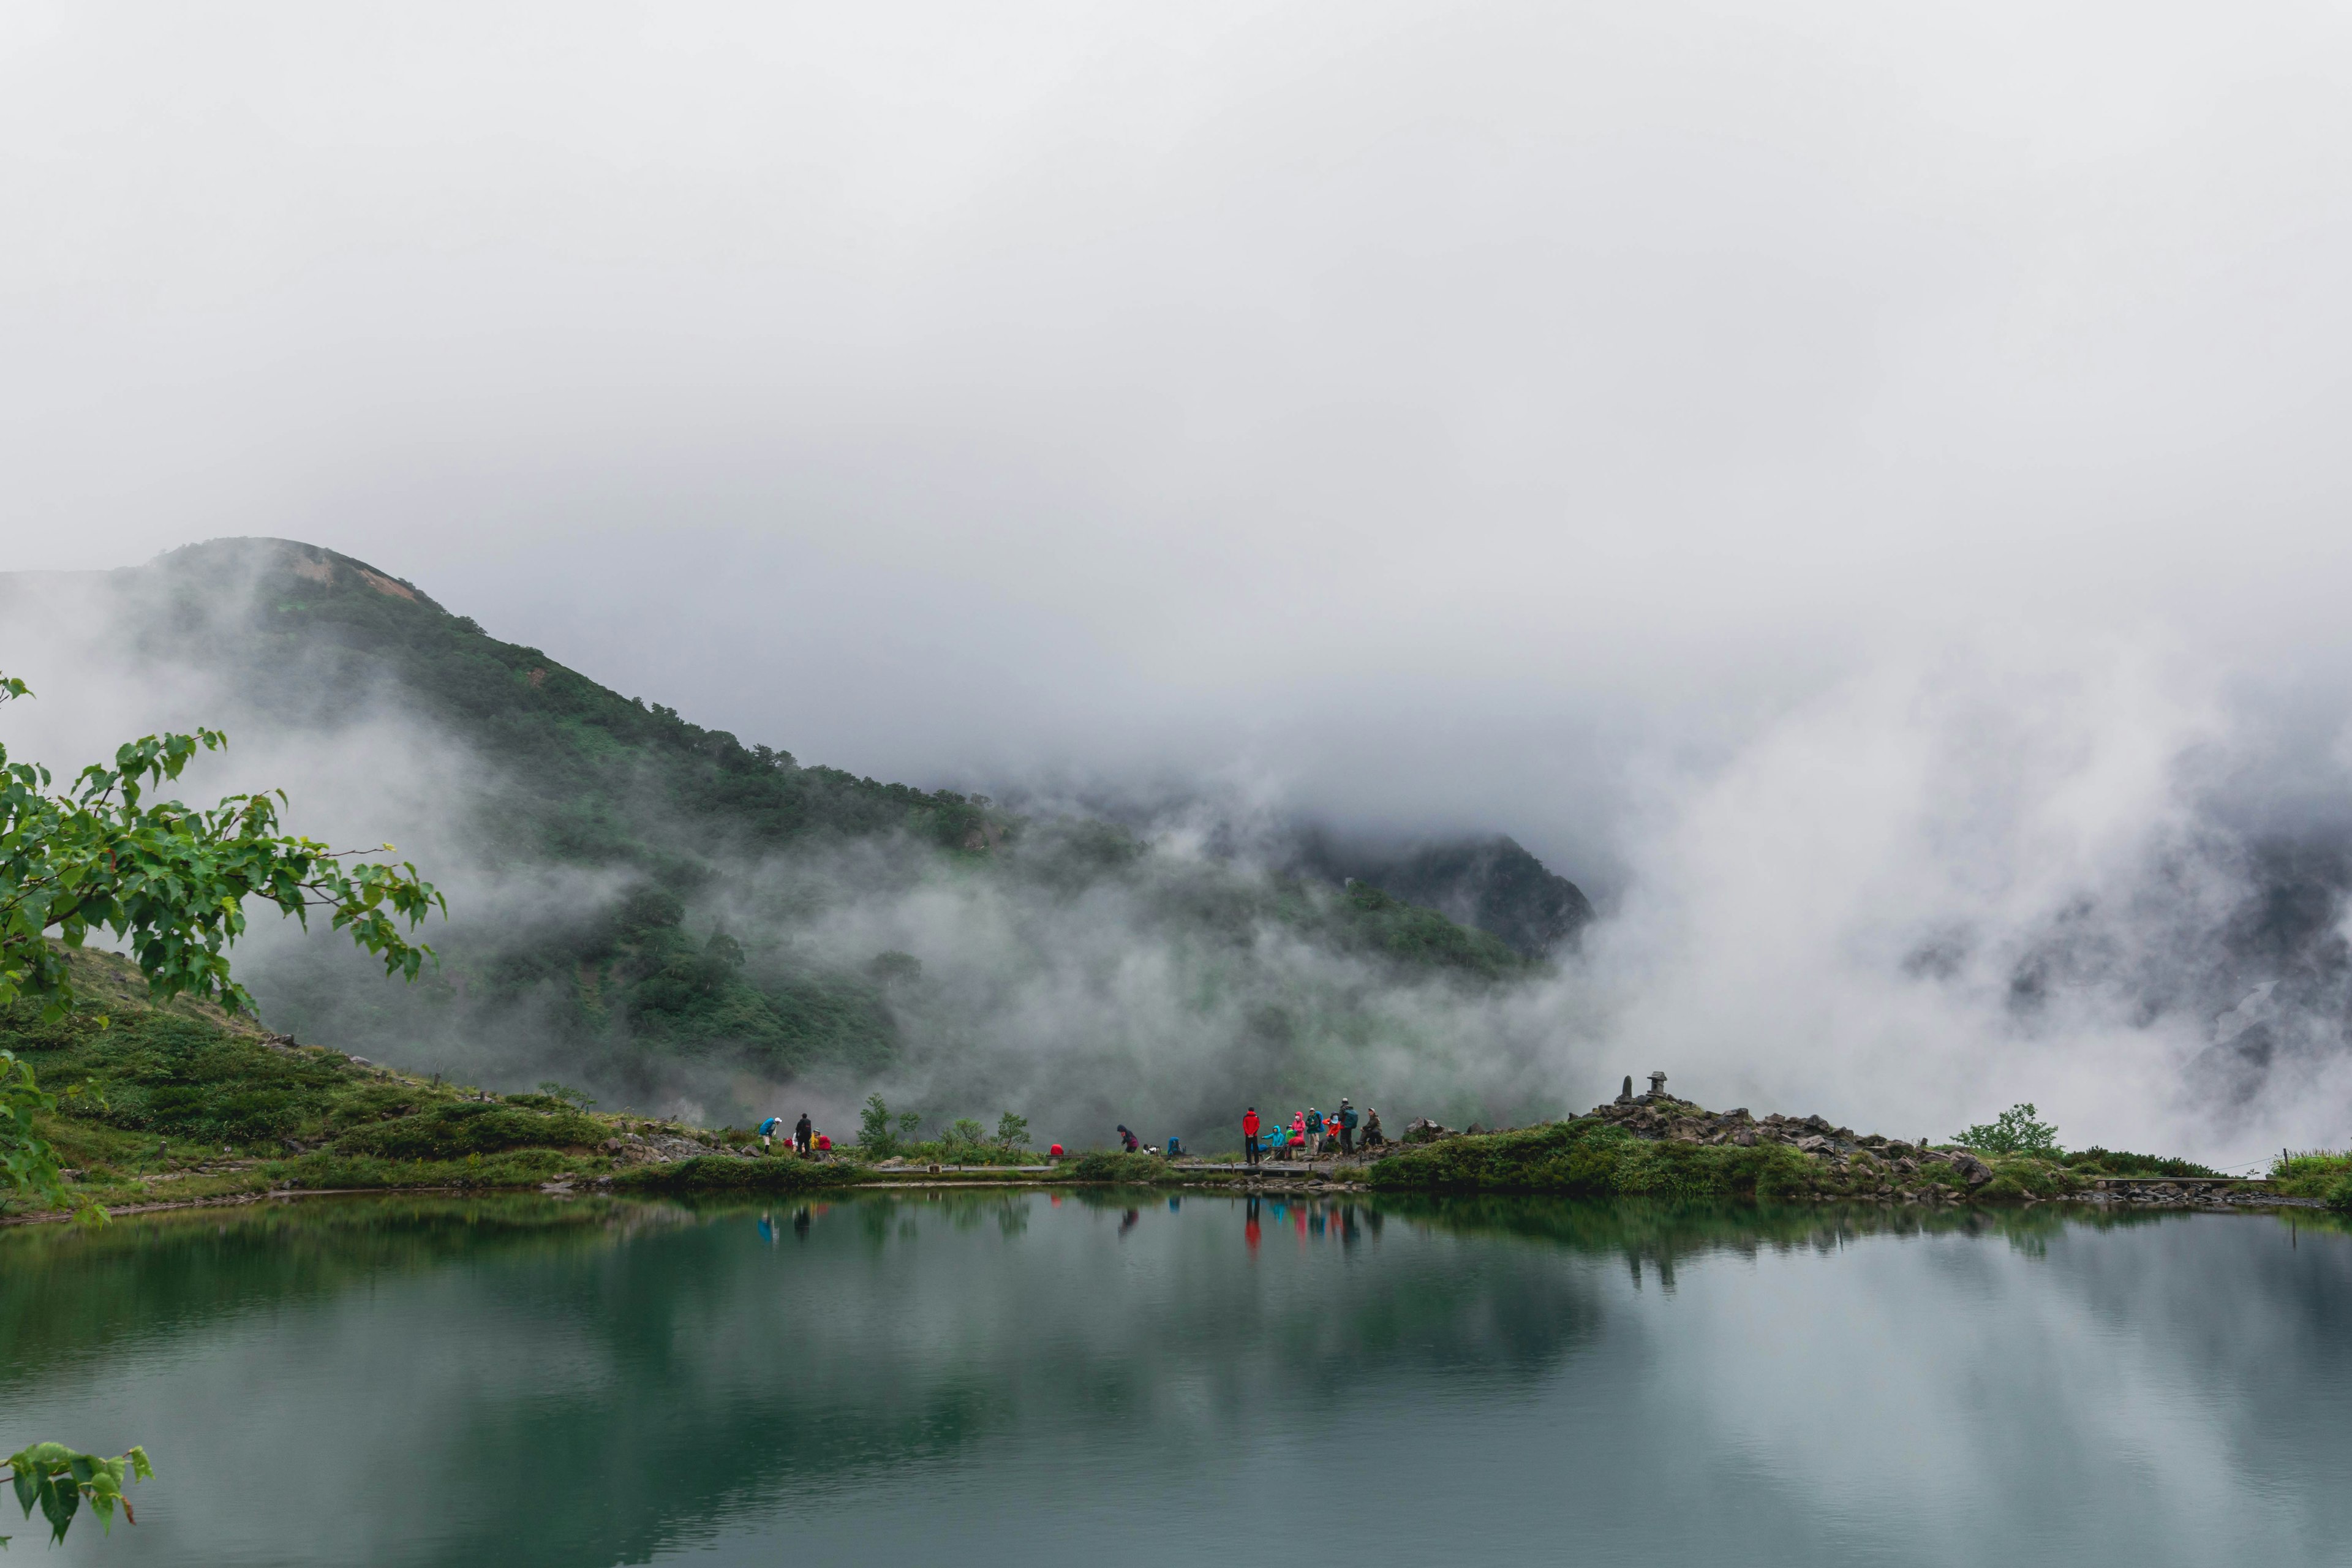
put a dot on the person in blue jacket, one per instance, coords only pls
(768, 1134)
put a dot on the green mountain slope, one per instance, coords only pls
(658, 909)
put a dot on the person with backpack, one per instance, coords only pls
(804, 1134)
(1128, 1140)
(1249, 1135)
(1297, 1134)
(1314, 1133)
(768, 1134)
(1347, 1128)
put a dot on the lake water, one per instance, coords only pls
(1000, 1377)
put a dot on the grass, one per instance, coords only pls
(1588, 1157)
(728, 1173)
(2316, 1173)
(2115, 1162)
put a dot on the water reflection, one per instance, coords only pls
(671, 1377)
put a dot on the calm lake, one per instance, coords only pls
(997, 1377)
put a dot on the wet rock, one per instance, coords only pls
(1973, 1170)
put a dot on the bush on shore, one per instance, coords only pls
(455, 1129)
(2316, 1173)
(1589, 1158)
(731, 1173)
(1116, 1165)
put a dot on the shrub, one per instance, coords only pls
(1588, 1157)
(1115, 1166)
(469, 1127)
(2014, 1132)
(722, 1172)
(2100, 1162)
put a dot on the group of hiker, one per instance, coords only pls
(1310, 1133)
(806, 1139)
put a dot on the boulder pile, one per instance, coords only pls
(1889, 1165)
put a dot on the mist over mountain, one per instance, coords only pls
(2057, 872)
(665, 913)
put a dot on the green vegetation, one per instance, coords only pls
(169, 880)
(2014, 1132)
(726, 1173)
(181, 1100)
(2313, 1173)
(2096, 1162)
(1586, 1157)
(880, 1134)
(60, 1480)
(1114, 1165)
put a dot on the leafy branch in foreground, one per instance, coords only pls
(59, 1479)
(2014, 1132)
(170, 880)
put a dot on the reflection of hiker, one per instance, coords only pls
(1249, 1135)
(1372, 1139)
(1128, 1141)
(768, 1137)
(1347, 1128)
(803, 1134)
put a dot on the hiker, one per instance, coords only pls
(823, 1145)
(768, 1136)
(1297, 1134)
(1314, 1133)
(1372, 1139)
(1055, 1154)
(1128, 1141)
(1347, 1128)
(804, 1134)
(1249, 1135)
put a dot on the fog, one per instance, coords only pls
(1859, 491)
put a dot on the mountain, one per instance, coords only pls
(671, 915)
(1490, 884)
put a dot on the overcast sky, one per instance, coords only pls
(1429, 414)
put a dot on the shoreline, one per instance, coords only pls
(2098, 1201)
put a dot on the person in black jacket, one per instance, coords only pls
(803, 1134)
(1128, 1141)
(1346, 1119)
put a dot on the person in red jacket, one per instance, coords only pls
(1249, 1134)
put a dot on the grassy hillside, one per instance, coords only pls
(180, 1102)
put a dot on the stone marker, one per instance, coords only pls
(1625, 1095)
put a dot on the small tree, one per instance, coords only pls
(966, 1133)
(2015, 1131)
(1012, 1132)
(565, 1093)
(874, 1134)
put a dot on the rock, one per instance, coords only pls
(358, 1062)
(1973, 1170)
(1746, 1137)
(1813, 1144)
(1625, 1095)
